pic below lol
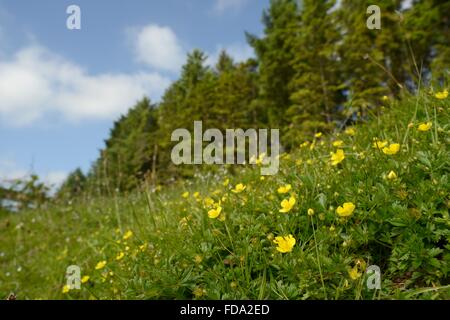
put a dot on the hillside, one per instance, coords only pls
(373, 194)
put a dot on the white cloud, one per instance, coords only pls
(220, 6)
(158, 47)
(36, 83)
(238, 51)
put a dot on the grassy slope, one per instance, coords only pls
(176, 251)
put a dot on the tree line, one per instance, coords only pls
(317, 67)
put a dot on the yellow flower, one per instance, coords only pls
(226, 182)
(184, 221)
(208, 202)
(214, 213)
(378, 144)
(287, 205)
(346, 210)
(385, 98)
(392, 149)
(185, 195)
(127, 235)
(337, 157)
(120, 256)
(199, 292)
(338, 143)
(100, 265)
(260, 159)
(425, 126)
(304, 144)
(284, 189)
(285, 244)
(310, 212)
(442, 95)
(196, 194)
(239, 188)
(392, 175)
(65, 289)
(198, 259)
(318, 134)
(354, 274)
(350, 132)
(143, 247)
(85, 279)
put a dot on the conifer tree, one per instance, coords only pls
(276, 52)
(316, 86)
(427, 31)
(74, 185)
(371, 59)
(128, 154)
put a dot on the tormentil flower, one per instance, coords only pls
(304, 144)
(100, 265)
(392, 175)
(127, 235)
(425, 126)
(214, 213)
(442, 95)
(346, 209)
(285, 244)
(65, 289)
(337, 157)
(239, 188)
(120, 256)
(287, 205)
(354, 274)
(284, 189)
(198, 259)
(260, 159)
(350, 132)
(392, 149)
(378, 144)
(208, 202)
(199, 292)
(338, 143)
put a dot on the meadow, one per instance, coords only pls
(376, 193)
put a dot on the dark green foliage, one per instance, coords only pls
(128, 156)
(73, 186)
(316, 87)
(276, 52)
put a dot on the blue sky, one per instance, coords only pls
(60, 89)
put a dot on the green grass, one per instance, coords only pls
(178, 252)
